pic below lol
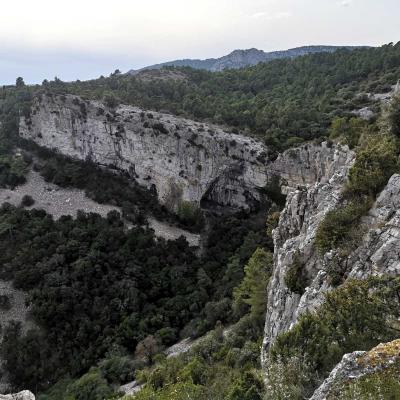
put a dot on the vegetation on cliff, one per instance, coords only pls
(356, 316)
(378, 151)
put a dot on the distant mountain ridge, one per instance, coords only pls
(244, 58)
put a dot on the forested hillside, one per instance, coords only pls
(243, 58)
(284, 102)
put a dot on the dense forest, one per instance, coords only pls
(284, 102)
(91, 284)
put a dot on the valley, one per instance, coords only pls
(230, 236)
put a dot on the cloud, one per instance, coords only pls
(269, 16)
(345, 3)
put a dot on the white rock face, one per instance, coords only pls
(347, 368)
(377, 254)
(310, 164)
(305, 208)
(181, 159)
(24, 395)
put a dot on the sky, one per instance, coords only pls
(83, 39)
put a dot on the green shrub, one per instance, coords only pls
(111, 101)
(59, 391)
(376, 162)
(347, 130)
(118, 369)
(91, 386)
(289, 380)
(248, 387)
(190, 215)
(253, 288)
(12, 171)
(295, 277)
(27, 201)
(167, 336)
(340, 228)
(177, 391)
(356, 316)
(194, 372)
(336, 269)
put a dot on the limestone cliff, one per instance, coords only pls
(378, 253)
(317, 193)
(181, 159)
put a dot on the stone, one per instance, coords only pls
(24, 395)
(378, 252)
(358, 364)
(130, 388)
(305, 208)
(181, 159)
(364, 113)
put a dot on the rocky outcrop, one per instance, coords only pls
(181, 159)
(310, 164)
(377, 253)
(348, 368)
(356, 365)
(24, 395)
(294, 237)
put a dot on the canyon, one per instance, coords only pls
(204, 165)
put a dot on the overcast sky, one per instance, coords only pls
(82, 39)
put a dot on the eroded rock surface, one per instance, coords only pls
(181, 159)
(24, 395)
(305, 208)
(356, 365)
(378, 252)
